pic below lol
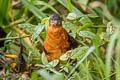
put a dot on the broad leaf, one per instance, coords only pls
(44, 59)
(65, 56)
(79, 52)
(92, 36)
(72, 16)
(88, 34)
(37, 31)
(27, 26)
(53, 63)
(34, 76)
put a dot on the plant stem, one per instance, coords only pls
(15, 22)
(10, 38)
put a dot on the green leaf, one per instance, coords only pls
(48, 76)
(72, 16)
(92, 15)
(85, 26)
(34, 76)
(69, 5)
(44, 59)
(117, 63)
(34, 9)
(46, 4)
(45, 20)
(53, 63)
(65, 56)
(73, 34)
(83, 3)
(74, 9)
(96, 20)
(69, 26)
(37, 31)
(85, 20)
(45, 74)
(79, 52)
(27, 26)
(110, 48)
(112, 5)
(58, 77)
(88, 34)
(66, 69)
(4, 8)
(90, 50)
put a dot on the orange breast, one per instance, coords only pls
(56, 42)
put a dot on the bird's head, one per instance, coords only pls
(55, 20)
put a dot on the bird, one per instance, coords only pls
(57, 41)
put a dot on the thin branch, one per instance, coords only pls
(11, 38)
(15, 22)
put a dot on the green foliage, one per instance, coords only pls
(71, 16)
(79, 52)
(44, 59)
(4, 9)
(37, 31)
(34, 76)
(74, 10)
(53, 63)
(28, 27)
(45, 4)
(69, 5)
(47, 76)
(90, 35)
(93, 23)
(112, 5)
(34, 9)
